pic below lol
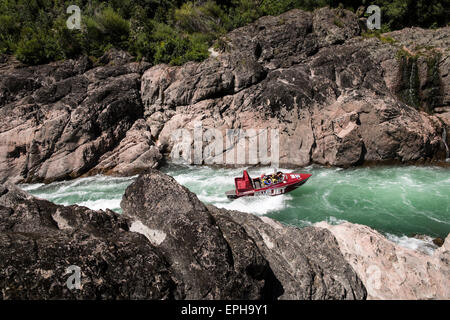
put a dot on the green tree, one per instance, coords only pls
(171, 31)
(38, 47)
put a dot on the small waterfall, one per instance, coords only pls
(411, 90)
(444, 138)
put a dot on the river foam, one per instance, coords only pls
(398, 201)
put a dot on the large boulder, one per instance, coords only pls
(213, 249)
(181, 226)
(307, 261)
(40, 242)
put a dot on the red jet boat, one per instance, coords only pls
(271, 185)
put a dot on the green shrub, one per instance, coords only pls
(140, 45)
(38, 48)
(167, 45)
(9, 33)
(245, 12)
(70, 41)
(208, 18)
(108, 28)
(276, 7)
(114, 27)
(35, 31)
(198, 48)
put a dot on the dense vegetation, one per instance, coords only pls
(169, 31)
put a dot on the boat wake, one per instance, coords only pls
(257, 205)
(395, 200)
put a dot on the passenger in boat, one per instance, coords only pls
(273, 178)
(267, 180)
(280, 176)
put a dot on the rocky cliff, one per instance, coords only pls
(166, 245)
(66, 119)
(336, 95)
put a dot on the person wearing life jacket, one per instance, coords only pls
(273, 178)
(265, 180)
(280, 176)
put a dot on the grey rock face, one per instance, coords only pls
(307, 262)
(193, 242)
(40, 240)
(62, 120)
(390, 271)
(166, 245)
(336, 97)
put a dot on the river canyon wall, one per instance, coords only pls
(336, 95)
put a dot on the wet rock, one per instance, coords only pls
(438, 241)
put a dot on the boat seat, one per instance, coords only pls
(257, 184)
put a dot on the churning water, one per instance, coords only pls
(397, 201)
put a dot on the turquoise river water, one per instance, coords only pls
(397, 201)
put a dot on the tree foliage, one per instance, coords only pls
(169, 31)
